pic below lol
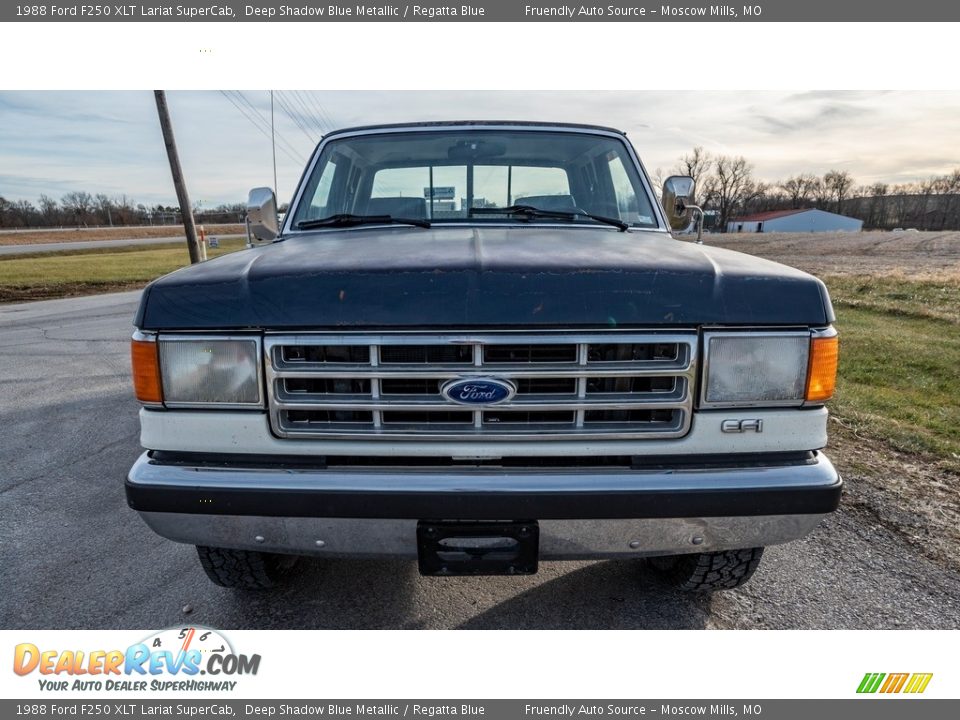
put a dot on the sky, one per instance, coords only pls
(109, 142)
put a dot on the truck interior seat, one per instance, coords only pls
(548, 202)
(398, 207)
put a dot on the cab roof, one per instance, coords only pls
(452, 124)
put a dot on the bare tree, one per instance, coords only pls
(695, 164)
(18, 213)
(951, 200)
(127, 213)
(730, 187)
(104, 206)
(658, 178)
(838, 184)
(49, 211)
(876, 215)
(24, 213)
(5, 215)
(78, 204)
(798, 189)
(820, 193)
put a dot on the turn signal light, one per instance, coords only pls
(146, 372)
(822, 372)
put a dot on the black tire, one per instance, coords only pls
(706, 572)
(244, 569)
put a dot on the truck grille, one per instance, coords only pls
(589, 385)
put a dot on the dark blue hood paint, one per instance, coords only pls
(496, 277)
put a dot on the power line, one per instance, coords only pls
(323, 113)
(295, 115)
(291, 113)
(288, 150)
(322, 120)
(266, 124)
(304, 111)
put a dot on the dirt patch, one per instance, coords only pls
(124, 233)
(914, 255)
(909, 495)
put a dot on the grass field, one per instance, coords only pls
(895, 420)
(900, 353)
(85, 272)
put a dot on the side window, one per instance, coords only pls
(631, 209)
(321, 198)
(626, 199)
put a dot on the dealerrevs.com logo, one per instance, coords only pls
(892, 683)
(173, 659)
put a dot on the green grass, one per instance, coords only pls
(936, 298)
(83, 272)
(899, 378)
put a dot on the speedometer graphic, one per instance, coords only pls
(183, 639)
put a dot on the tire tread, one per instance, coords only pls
(707, 572)
(242, 568)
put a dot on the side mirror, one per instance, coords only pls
(262, 219)
(677, 199)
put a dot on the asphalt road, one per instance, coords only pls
(28, 249)
(73, 555)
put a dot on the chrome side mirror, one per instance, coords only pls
(262, 220)
(677, 199)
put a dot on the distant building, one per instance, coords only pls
(805, 220)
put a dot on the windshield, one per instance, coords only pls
(446, 176)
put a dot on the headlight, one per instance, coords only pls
(763, 368)
(199, 371)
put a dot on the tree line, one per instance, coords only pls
(82, 209)
(727, 189)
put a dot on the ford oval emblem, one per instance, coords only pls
(478, 391)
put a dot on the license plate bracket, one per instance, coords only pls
(449, 548)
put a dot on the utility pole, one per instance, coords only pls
(185, 209)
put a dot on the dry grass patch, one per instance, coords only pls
(119, 233)
(911, 254)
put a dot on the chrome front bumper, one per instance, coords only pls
(582, 513)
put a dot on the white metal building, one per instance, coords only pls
(804, 220)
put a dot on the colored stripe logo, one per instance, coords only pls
(912, 683)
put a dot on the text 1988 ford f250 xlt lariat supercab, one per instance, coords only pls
(479, 345)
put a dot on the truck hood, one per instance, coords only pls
(463, 277)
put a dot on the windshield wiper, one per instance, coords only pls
(348, 219)
(529, 211)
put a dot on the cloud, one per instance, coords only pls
(37, 106)
(55, 142)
